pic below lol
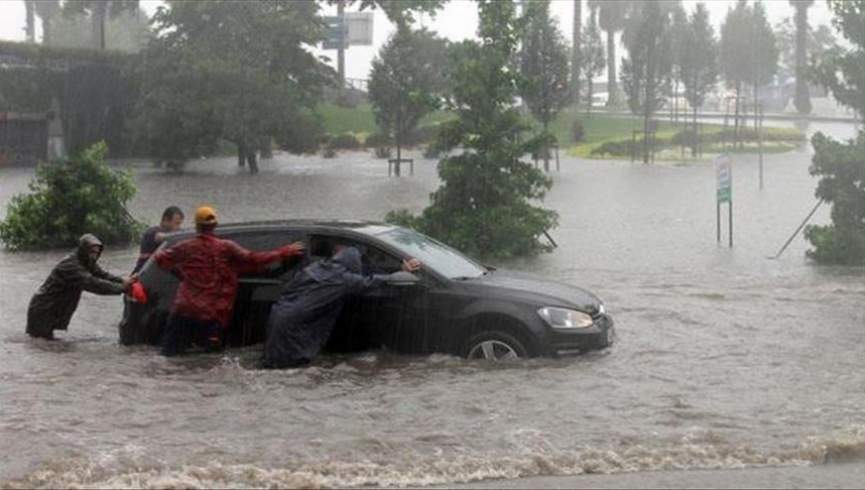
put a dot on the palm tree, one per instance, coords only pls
(47, 10)
(803, 98)
(576, 53)
(29, 29)
(611, 18)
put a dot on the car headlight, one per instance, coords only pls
(564, 318)
(602, 310)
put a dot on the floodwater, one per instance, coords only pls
(725, 359)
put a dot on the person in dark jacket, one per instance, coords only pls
(52, 306)
(303, 317)
(208, 267)
(172, 219)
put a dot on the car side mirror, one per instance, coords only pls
(402, 279)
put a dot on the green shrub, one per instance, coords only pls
(344, 141)
(619, 148)
(69, 198)
(578, 132)
(423, 134)
(382, 152)
(377, 140)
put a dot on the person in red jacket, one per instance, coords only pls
(208, 267)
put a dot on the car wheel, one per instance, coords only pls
(495, 346)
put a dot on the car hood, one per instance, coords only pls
(525, 288)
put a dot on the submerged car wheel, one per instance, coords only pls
(495, 346)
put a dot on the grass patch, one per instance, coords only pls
(360, 120)
(610, 137)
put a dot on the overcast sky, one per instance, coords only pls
(457, 21)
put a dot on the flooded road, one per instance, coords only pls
(724, 358)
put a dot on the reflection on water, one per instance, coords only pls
(724, 358)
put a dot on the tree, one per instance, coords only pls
(544, 68)
(647, 70)
(405, 80)
(484, 204)
(69, 198)
(99, 10)
(699, 62)
(736, 38)
(593, 55)
(763, 53)
(841, 166)
(678, 34)
(802, 100)
(47, 11)
(611, 18)
(258, 77)
(30, 21)
(576, 51)
(400, 12)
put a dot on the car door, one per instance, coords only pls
(258, 291)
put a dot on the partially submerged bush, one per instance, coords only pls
(344, 141)
(377, 140)
(578, 132)
(69, 198)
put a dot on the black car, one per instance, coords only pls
(453, 305)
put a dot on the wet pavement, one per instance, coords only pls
(725, 359)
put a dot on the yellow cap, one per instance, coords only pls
(205, 215)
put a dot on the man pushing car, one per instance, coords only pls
(208, 268)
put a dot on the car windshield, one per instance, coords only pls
(436, 255)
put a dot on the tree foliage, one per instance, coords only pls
(484, 205)
(69, 198)
(405, 81)
(698, 60)
(242, 71)
(802, 99)
(98, 11)
(611, 18)
(543, 66)
(593, 54)
(647, 70)
(749, 54)
(841, 165)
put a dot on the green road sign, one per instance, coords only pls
(724, 174)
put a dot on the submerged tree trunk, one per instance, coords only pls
(252, 161)
(30, 26)
(736, 116)
(612, 98)
(241, 155)
(98, 24)
(696, 135)
(546, 147)
(576, 56)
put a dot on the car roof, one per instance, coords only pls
(363, 227)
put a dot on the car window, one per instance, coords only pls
(374, 260)
(433, 254)
(265, 240)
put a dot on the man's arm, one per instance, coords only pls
(247, 260)
(100, 273)
(78, 276)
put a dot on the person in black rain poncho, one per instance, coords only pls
(303, 317)
(52, 306)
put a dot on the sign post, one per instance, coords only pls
(724, 193)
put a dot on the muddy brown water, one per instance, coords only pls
(724, 359)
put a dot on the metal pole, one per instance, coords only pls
(730, 207)
(718, 222)
(760, 144)
(789, 240)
